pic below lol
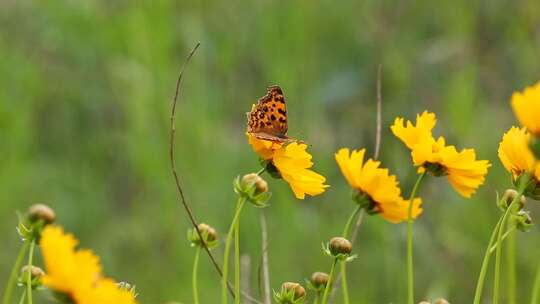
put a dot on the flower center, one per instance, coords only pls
(435, 169)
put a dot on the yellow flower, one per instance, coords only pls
(381, 188)
(515, 154)
(526, 106)
(76, 273)
(464, 172)
(292, 161)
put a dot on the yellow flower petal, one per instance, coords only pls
(77, 273)
(464, 172)
(411, 134)
(381, 187)
(515, 154)
(526, 106)
(293, 162)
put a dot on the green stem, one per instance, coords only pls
(8, 292)
(485, 263)
(350, 220)
(506, 234)
(23, 296)
(330, 282)
(536, 288)
(410, 222)
(344, 287)
(224, 281)
(261, 171)
(497, 278)
(29, 271)
(317, 296)
(511, 264)
(194, 276)
(237, 262)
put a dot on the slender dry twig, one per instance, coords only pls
(245, 262)
(177, 179)
(360, 218)
(266, 273)
(379, 114)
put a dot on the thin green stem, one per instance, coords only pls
(350, 220)
(506, 234)
(329, 283)
(261, 171)
(23, 296)
(29, 272)
(344, 287)
(410, 222)
(498, 253)
(8, 292)
(536, 288)
(485, 263)
(224, 281)
(511, 264)
(194, 275)
(316, 300)
(237, 262)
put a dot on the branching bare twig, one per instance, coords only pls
(378, 131)
(177, 179)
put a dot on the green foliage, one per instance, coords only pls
(85, 91)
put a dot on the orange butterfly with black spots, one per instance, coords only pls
(267, 119)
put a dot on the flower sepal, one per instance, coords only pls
(340, 249)
(530, 185)
(522, 221)
(290, 293)
(208, 233)
(435, 169)
(36, 274)
(253, 188)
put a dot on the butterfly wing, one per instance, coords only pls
(268, 118)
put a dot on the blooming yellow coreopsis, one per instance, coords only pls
(77, 274)
(464, 172)
(379, 189)
(526, 106)
(292, 161)
(515, 154)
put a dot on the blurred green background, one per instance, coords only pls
(85, 93)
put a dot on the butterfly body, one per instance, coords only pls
(267, 119)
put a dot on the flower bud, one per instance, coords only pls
(290, 292)
(339, 245)
(424, 302)
(441, 301)
(36, 274)
(523, 221)
(41, 212)
(319, 280)
(508, 197)
(208, 231)
(261, 186)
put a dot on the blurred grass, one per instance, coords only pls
(85, 90)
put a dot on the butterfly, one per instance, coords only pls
(267, 119)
